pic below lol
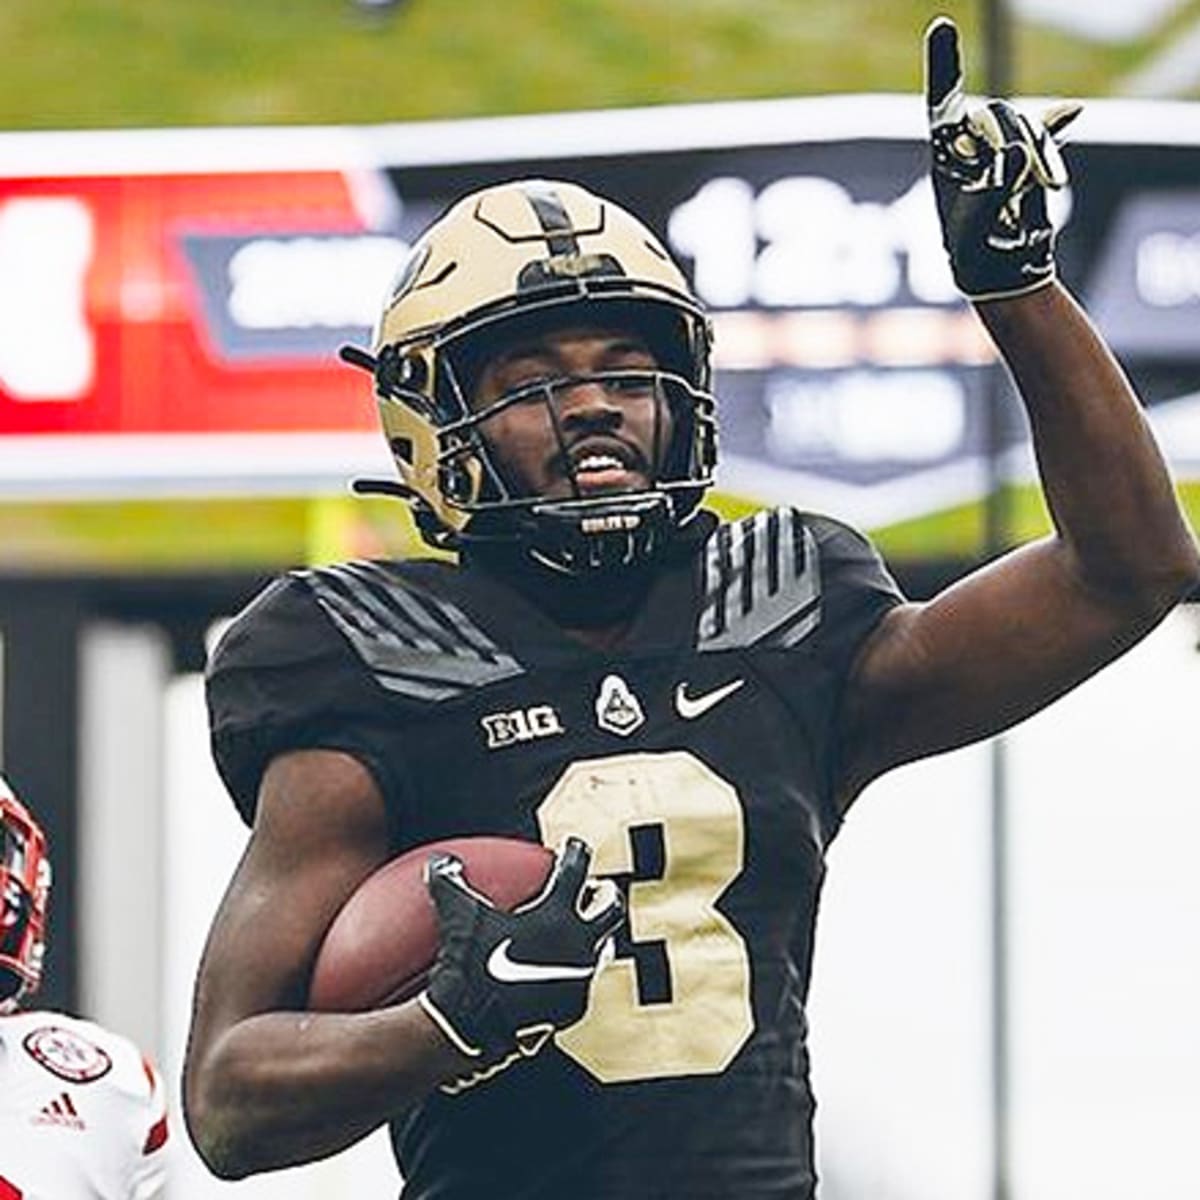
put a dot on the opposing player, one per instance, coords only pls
(82, 1113)
(696, 703)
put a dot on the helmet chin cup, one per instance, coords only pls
(602, 533)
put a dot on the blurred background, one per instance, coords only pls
(199, 202)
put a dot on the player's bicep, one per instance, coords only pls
(321, 828)
(977, 658)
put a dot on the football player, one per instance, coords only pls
(82, 1113)
(688, 707)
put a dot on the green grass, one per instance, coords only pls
(1051, 63)
(264, 534)
(111, 63)
(958, 533)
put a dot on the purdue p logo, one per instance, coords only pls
(520, 725)
(617, 709)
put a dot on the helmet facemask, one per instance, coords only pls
(24, 892)
(652, 423)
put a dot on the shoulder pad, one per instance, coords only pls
(415, 643)
(761, 582)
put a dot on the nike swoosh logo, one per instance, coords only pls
(691, 707)
(511, 970)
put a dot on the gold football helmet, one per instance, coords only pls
(527, 256)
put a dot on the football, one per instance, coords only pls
(380, 947)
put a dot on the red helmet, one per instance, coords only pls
(24, 892)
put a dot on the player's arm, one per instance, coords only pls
(1011, 637)
(267, 1084)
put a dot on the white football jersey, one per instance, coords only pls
(82, 1113)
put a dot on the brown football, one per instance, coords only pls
(380, 947)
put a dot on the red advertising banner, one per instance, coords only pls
(169, 304)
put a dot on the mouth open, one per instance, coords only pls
(606, 470)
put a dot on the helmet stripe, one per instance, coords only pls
(553, 218)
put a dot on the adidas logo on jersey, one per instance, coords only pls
(60, 1112)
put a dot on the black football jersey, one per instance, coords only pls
(696, 758)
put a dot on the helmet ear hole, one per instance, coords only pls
(414, 372)
(402, 448)
(456, 483)
(402, 377)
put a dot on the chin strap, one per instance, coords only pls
(384, 487)
(356, 356)
(577, 537)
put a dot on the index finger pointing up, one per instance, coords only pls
(943, 72)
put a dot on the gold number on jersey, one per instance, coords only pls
(709, 1015)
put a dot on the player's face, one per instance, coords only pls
(613, 433)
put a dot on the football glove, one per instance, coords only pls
(992, 167)
(503, 982)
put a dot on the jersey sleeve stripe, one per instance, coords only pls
(771, 556)
(158, 1133)
(156, 1139)
(360, 624)
(359, 609)
(762, 583)
(748, 545)
(414, 644)
(395, 605)
(439, 618)
(717, 571)
(391, 610)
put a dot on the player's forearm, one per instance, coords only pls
(280, 1089)
(1107, 487)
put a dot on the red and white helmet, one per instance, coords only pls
(24, 892)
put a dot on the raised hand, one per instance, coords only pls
(504, 982)
(992, 167)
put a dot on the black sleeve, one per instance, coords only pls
(282, 678)
(857, 589)
(842, 593)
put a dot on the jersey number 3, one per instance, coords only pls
(706, 1016)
